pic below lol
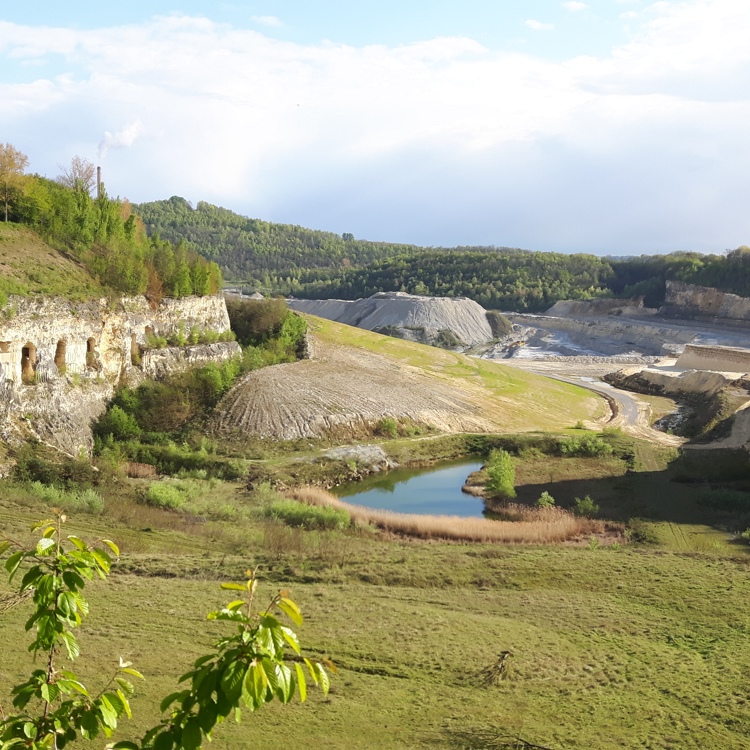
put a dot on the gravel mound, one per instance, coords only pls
(463, 317)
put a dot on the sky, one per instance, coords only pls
(604, 126)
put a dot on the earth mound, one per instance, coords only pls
(356, 378)
(451, 321)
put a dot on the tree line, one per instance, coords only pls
(292, 260)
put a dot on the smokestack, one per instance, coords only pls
(98, 182)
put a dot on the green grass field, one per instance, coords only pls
(631, 647)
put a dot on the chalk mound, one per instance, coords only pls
(448, 321)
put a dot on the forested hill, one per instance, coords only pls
(271, 256)
(285, 259)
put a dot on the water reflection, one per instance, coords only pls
(434, 490)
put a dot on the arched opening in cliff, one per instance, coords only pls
(60, 354)
(4, 347)
(135, 351)
(91, 353)
(28, 362)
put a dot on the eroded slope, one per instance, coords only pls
(354, 378)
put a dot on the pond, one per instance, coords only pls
(432, 490)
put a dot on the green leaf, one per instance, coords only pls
(29, 729)
(49, 691)
(107, 712)
(325, 683)
(236, 604)
(234, 586)
(4, 546)
(72, 580)
(284, 683)
(71, 644)
(89, 725)
(12, 563)
(102, 558)
(231, 680)
(43, 545)
(39, 524)
(291, 638)
(171, 698)
(312, 668)
(133, 672)
(191, 735)
(127, 687)
(118, 706)
(164, 741)
(125, 745)
(115, 549)
(254, 687)
(301, 682)
(78, 543)
(291, 610)
(207, 716)
(125, 703)
(48, 532)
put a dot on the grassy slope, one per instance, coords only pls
(29, 266)
(632, 648)
(513, 399)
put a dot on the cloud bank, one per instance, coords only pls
(436, 142)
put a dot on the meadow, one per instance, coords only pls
(640, 644)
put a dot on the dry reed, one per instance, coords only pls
(536, 525)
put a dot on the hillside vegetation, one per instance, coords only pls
(285, 259)
(100, 234)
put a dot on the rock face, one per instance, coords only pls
(717, 358)
(409, 316)
(60, 361)
(666, 383)
(688, 300)
(570, 308)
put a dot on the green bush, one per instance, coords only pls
(164, 495)
(294, 513)
(501, 474)
(386, 427)
(588, 445)
(585, 507)
(545, 500)
(641, 532)
(117, 423)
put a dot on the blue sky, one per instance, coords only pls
(606, 126)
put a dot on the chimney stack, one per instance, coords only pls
(98, 182)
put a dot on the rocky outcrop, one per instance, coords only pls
(670, 382)
(445, 320)
(60, 361)
(570, 308)
(690, 301)
(716, 358)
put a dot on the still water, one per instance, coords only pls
(434, 490)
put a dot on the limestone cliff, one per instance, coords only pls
(688, 300)
(60, 361)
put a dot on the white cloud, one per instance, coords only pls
(437, 142)
(271, 21)
(538, 25)
(123, 138)
(574, 6)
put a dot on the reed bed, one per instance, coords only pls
(534, 525)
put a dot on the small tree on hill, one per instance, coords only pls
(79, 176)
(13, 163)
(501, 474)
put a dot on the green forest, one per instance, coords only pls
(291, 260)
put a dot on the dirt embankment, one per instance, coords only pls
(345, 390)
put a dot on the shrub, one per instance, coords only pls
(386, 427)
(501, 474)
(164, 495)
(545, 500)
(117, 423)
(640, 532)
(589, 445)
(294, 513)
(585, 507)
